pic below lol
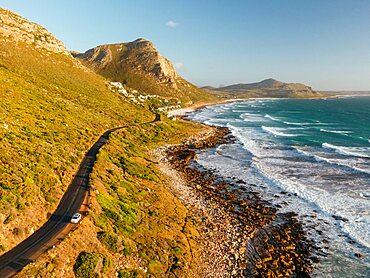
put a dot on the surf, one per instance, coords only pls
(277, 131)
(350, 151)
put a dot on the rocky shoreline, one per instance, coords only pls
(241, 234)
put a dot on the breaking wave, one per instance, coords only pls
(277, 131)
(351, 151)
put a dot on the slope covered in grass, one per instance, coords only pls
(136, 223)
(51, 110)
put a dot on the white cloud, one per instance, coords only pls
(172, 24)
(179, 65)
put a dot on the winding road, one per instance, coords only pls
(58, 226)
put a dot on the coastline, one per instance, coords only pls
(324, 242)
(183, 111)
(241, 234)
(192, 108)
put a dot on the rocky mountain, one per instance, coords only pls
(266, 88)
(139, 55)
(16, 28)
(51, 113)
(139, 65)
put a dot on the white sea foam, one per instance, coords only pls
(336, 131)
(244, 115)
(272, 118)
(248, 144)
(340, 162)
(293, 123)
(250, 117)
(330, 203)
(319, 186)
(277, 131)
(363, 138)
(359, 230)
(305, 123)
(333, 203)
(316, 157)
(351, 151)
(295, 128)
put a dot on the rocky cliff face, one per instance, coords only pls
(139, 56)
(139, 65)
(143, 56)
(15, 27)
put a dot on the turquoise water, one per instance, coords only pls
(319, 151)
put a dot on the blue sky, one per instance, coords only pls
(322, 43)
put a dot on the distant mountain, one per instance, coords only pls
(139, 65)
(208, 88)
(265, 88)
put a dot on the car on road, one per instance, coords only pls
(76, 218)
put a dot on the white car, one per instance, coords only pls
(76, 218)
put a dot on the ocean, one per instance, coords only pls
(307, 156)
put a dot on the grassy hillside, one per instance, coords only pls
(51, 111)
(136, 225)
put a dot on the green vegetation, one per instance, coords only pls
(134, 204)
(51, 111)
(127, 274)
(109, 240)
(91, 265)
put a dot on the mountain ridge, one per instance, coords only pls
(138, 64)
(266, 88)
(15, 27)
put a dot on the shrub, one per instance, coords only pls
(109, 240)
(127, 274)
(86, 264)
(9, 219)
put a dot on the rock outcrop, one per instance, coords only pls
(15, 27)
(139, 56)
(139, 65)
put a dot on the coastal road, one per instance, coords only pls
(58, 226)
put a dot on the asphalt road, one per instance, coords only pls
(58, 226)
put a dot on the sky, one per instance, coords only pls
(321, 43)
